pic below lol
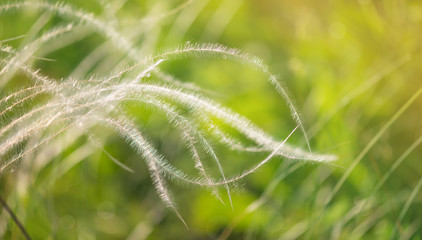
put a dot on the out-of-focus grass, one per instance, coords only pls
(350, 66)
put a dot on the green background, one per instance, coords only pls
(349, 65)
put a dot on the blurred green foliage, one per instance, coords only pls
(350, 66)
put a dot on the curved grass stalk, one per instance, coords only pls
(151, 156)
(238, 122)
(260, 164)
(135, 139)
(191, 135)
(181, 176)
(194, 101)
(190, 131)
(232, 143)
(182, 121)
(200, 166)
(217, 50)
(48, 120)
(103, 101)
(162, 189)
(213, 155)
(241, 124)
(201, 49)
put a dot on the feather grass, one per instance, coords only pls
(83, 103)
